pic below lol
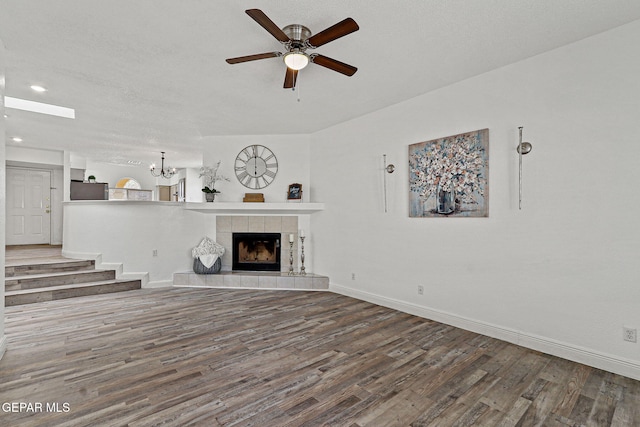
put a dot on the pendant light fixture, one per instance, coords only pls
(162, 173)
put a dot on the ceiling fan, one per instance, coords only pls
(297, 39)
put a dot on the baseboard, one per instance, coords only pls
(607, 362)
(247, 288)
(82, 255)
(3, 346)
(158, 284)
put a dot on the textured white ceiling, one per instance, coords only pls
(149, 76)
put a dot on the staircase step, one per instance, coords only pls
(30, 296)
(48, 267)
(34, 281)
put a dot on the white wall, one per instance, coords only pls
(292, 152)
(3, 339)
(35, 155)
(112, 173)
(194, 185)
(76, 161)
(128, 232)
(561, 275)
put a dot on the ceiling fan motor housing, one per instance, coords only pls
(297, 32)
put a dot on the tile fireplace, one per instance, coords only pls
(282, 225)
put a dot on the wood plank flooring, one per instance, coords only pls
(32, 254)
(222, 357)
(37, 273)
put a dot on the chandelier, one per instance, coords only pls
(163, 173)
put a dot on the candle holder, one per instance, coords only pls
(302, 270)
(291, 272)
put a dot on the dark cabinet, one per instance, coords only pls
(89, 191)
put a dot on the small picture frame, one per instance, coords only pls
(295, 193)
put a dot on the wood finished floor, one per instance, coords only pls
(32, 254)
(220, 357)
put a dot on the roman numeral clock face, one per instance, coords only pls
(256, 166)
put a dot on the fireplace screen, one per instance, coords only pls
(256, 251)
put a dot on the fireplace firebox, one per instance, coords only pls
(256, 251)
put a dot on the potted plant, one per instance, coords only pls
(209, 193)
(209, 177)
(91, 178)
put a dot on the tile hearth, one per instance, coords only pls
(252, 280)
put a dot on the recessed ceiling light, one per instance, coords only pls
(16, 139)
(38, 88)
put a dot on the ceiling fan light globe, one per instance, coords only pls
(296, 60)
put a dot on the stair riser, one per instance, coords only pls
(50, 295)
(24, 270)
(67, 279)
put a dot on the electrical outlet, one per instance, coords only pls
(353, 276)
(629, 334)
(155, 252)
(420, 290)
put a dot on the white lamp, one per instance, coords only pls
(296, 60)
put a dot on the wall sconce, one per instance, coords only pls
(387, 169)
(522, 149)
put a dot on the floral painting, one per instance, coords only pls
(450, 176)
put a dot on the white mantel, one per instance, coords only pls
(225, 208)
(228, 208)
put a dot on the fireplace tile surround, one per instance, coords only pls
(226, 225)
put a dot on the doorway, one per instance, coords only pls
(28, 206)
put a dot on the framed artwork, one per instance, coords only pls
(449, 177)
(295, 192)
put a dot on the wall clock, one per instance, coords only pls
(256, 166)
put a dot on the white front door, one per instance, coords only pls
(28, 207)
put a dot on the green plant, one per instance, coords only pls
(209, 190)
(91, 178)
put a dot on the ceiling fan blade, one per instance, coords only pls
(267, 24)
(290, 78)
(342, 28)
(247, 58)
(333, 64)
